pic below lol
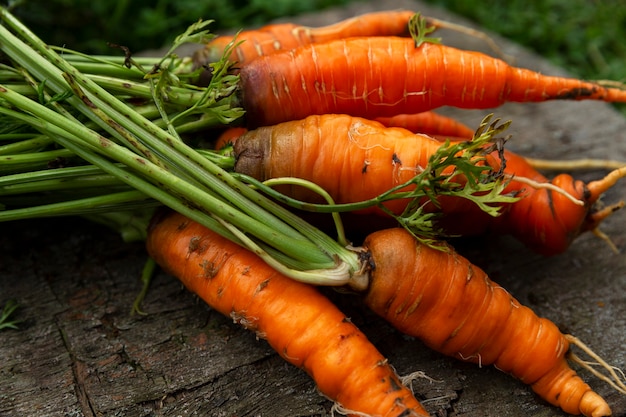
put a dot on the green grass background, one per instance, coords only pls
(587, 37)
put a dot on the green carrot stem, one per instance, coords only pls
(23, 143)
(240, 195)
(68, 134)
(77, 207)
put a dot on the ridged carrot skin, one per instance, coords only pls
(384, 76)
(302, 325)
(454, 308)
(278, 37)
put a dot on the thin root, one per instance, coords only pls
(549, 186)
(575, 164)
(615, 377)
(611, 83)
(595, 218)
(407, 380)
(340, 409)
(599, 233)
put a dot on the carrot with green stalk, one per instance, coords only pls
(451, 305)
(372, 159)
(204, 192)
(302, 325)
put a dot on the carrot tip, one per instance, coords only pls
(592, 405)
(596, 188)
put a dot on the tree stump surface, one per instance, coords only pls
(78, 351)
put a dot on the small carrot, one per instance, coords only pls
(302, 325)
(453, 307)
(544, 220)
(384, 76)
(277, 37)
(429, 123)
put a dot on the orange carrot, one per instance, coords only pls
(355, 159)
(543, 219)
(302, 325)
(277, 37)
(454, 308)
(228, 136)
(384, 76)
(429, 123)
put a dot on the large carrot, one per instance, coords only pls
(384, 76)
(273, 38)
(302, 325)
(451, 305)
(355, 159)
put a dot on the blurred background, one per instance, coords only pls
(586, 37)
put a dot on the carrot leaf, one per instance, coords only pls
(7, 311)
(419, 29)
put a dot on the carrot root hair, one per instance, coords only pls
(574, 164)
(615, 378)
(547, 185)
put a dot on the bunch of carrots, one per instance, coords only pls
(229, 232)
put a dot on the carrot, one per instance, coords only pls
(454, 308)
(360, 77)
(371, 159)
(302, 325)
(429, 123)
(352, 158)
(277, 37)
(544, 220)
(355, 159)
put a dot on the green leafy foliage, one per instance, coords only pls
(6, 321)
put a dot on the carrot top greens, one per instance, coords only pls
(114, 126)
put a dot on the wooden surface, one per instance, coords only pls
(78, 351)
